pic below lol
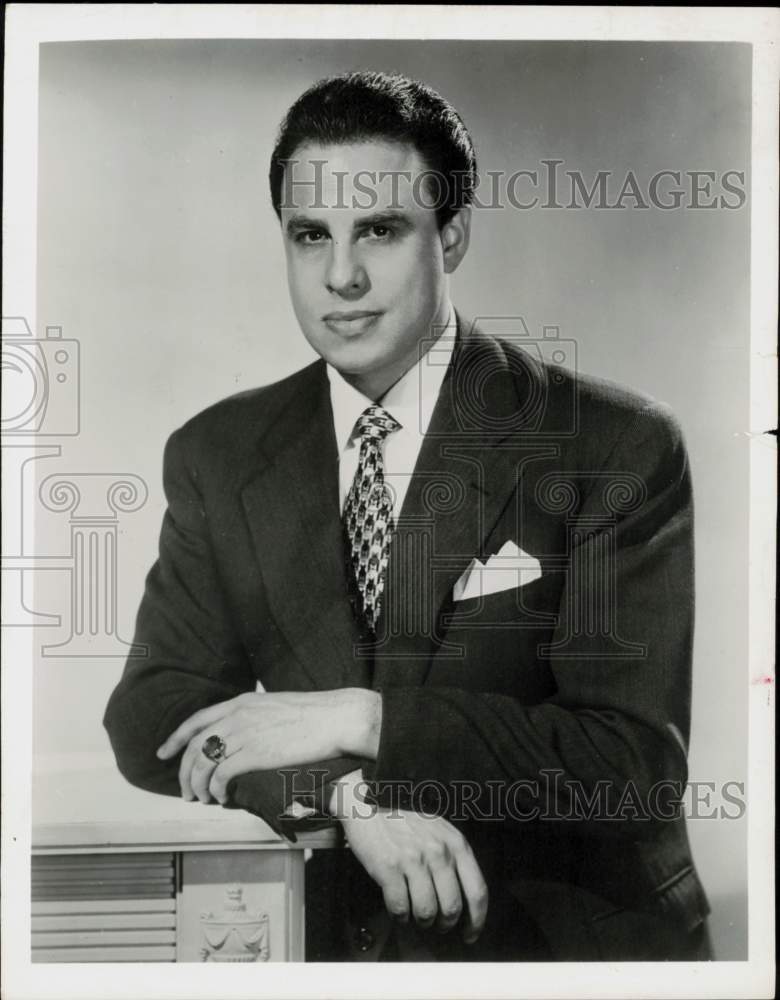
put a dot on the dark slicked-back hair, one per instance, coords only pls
(362, 106)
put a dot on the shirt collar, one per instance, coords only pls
(411, 400)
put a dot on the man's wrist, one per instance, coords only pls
(347, 796)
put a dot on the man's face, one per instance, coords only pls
(366, 262)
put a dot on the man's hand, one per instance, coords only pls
(423, 865)
(262, 731)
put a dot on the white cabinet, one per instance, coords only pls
(122, 875)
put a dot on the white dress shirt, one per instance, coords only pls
(411, 401)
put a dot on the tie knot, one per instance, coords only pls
(375, 422)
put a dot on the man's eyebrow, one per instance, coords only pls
(299, 223)
(383, 219)
(296, 223)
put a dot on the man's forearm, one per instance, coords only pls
(360, 723)
(364, 714)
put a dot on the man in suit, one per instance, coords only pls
(461, 574)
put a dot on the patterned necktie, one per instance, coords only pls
(368, 511)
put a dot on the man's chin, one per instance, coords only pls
(355, 359)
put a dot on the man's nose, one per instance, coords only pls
(346, 275)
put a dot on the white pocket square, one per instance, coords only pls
(507, 569)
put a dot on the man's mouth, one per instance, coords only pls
(351, 322)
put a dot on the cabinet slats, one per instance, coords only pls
(130, 920)
(159, 953)
(44, 908)
(104, 908)
(71, 939)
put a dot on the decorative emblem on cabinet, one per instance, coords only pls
(233, 934)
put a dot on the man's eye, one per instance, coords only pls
(380, 232)
(309, 236)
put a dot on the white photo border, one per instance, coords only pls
(27, 26)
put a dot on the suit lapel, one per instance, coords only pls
(292, 507)
(465, 475)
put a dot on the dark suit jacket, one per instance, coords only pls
(579, 681)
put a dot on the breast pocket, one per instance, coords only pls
(531, 606)
(491, 643)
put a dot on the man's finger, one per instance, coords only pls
(475, 891)
(240, 762)
(186, 764)
(425, 905)
(181, 736)
(200, 776)
(194, 758)
(396, 897)
(196, 768)
(445, 881)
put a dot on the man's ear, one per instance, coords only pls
(455, 239)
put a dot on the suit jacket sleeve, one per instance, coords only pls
(613, 719)
(195, 658)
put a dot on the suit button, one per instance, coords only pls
(363, 939)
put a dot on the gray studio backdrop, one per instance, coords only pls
(159, 253)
